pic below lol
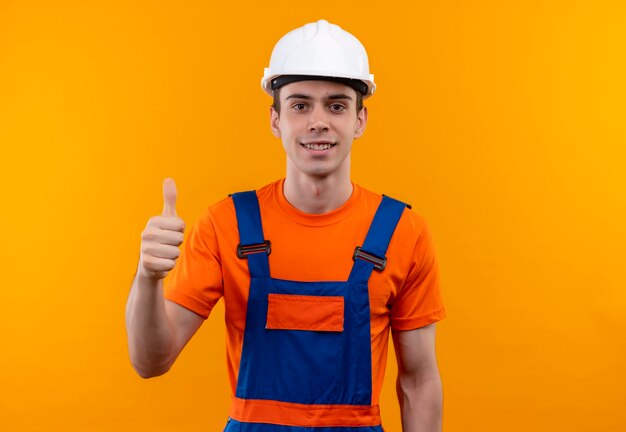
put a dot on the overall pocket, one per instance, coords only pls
(304, 312)
(302, 349)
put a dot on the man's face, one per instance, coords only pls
(317, 124)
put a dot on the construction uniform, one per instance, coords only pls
(309, 301)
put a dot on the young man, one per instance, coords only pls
(314, 270)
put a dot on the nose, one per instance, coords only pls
(318, 121)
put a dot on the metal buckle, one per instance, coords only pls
(244, 250)
(379, 263)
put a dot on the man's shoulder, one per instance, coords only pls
(375, 198)
(226, 208)
(260, 191)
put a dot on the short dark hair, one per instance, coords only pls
(276, 103)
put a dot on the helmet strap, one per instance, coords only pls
(358, 85)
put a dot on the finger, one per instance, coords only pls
(172, 238)
(162, 236)
(161, 251)
(155, 264)
(170, 223)
(169, 197)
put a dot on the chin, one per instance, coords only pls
(317, 172)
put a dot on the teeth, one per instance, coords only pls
(318, 146)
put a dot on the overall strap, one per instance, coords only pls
(371, 256)
(252, 244)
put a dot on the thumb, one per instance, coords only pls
(169, 197)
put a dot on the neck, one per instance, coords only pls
(316, 195)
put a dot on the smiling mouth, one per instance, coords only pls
(318, 147)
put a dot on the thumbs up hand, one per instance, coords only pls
(161, 238)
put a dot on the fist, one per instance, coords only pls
(161, 238)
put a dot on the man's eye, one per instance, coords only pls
(337, 107)
(298, 106)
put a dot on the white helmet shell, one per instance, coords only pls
(319, 49)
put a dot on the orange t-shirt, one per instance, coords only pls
(309, 247)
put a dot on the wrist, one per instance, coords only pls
(146, 281)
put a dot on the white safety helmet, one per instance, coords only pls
(320, 51)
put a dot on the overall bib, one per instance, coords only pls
(306, 361)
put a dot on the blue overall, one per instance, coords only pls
(302, 366)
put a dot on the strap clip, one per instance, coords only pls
(244, 250)
(379, 263)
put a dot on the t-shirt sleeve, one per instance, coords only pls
(196, 281)
(419, 301)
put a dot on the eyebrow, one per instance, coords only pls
(307, 97)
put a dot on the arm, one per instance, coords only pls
(158, 329)
(418, 385)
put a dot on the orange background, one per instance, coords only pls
(503, 123)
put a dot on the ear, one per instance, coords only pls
(275, 122)
(361, 122)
